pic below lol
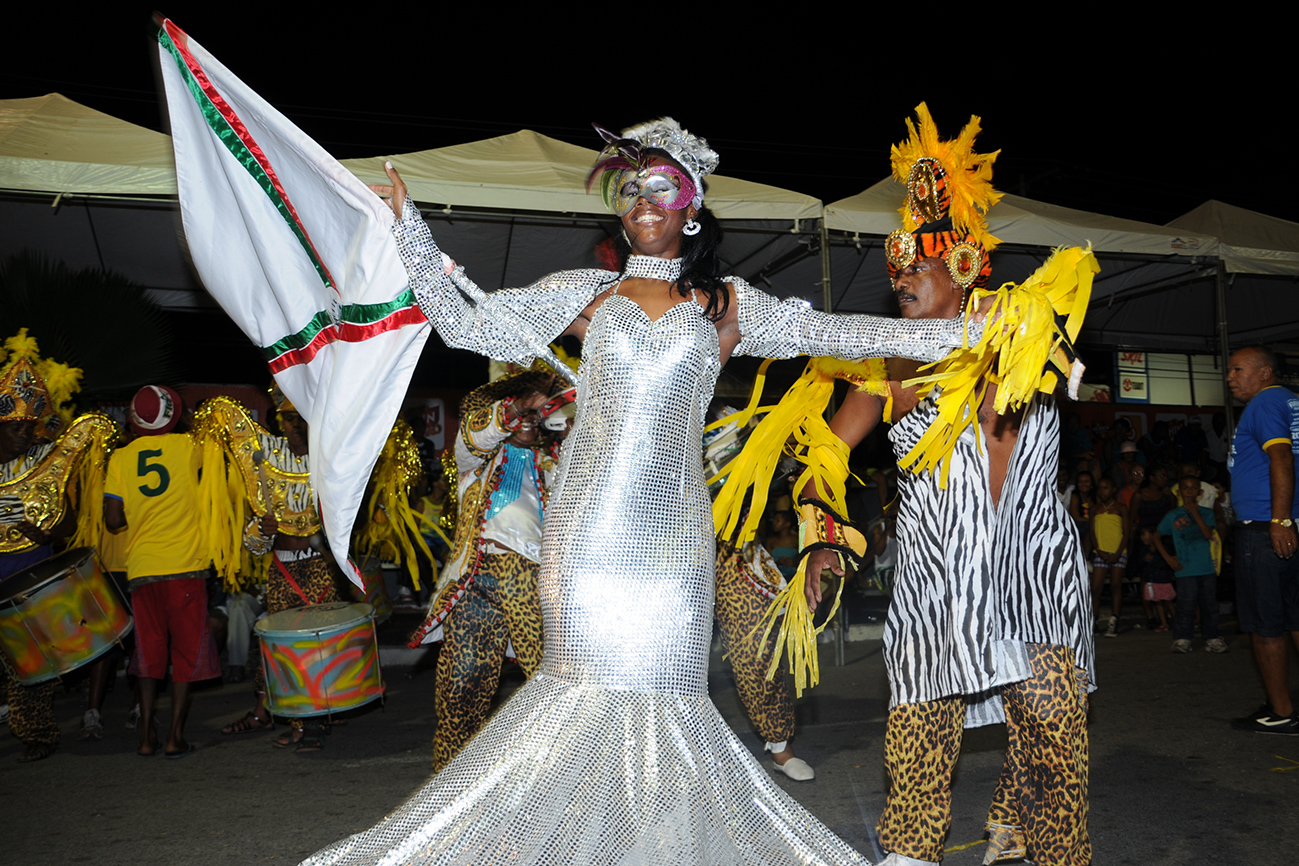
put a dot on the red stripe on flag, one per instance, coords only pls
(181, 40)
(348, 333)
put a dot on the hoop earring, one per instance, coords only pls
(691, 228)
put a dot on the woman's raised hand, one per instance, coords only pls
(394, 194)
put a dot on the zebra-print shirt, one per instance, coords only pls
(975, 583)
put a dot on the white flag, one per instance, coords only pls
(300, 253)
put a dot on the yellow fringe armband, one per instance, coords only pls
(819, 529)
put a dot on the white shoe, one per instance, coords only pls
(796, 769)
(1181, 646)
(1216, 645)
(91, 729)
(4, 714)
(133, 718)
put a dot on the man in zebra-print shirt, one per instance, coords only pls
(955, 643)
(991, 612)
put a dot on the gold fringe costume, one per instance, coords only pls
(62, 474)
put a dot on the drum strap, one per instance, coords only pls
(293, 583)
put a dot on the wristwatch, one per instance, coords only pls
(1283, 521)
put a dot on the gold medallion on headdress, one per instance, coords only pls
(949, 193)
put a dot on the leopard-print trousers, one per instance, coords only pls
(500, 608)
(1040, 806)
(740, 605)
(31, 709)
(319, 583)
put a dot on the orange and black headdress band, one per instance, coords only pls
(949, 193)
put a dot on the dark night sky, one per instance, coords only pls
(1142, 119)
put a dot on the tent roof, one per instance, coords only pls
(50, 143)
(1020, 220)
(1251, 243)
(526, 170)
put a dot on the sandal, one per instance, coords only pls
(313, 740)
(248, 724)
(291, 737)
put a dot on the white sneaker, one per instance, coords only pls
(1112, 627)
(796, 769)
(1216, 645)
(133, 718)
(1181, 646)
(91, 729)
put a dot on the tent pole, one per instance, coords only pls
(827, 296)
(827, 302)
(1225, 348)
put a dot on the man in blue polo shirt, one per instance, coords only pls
(1264, 473)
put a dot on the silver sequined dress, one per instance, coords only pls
(613, 753)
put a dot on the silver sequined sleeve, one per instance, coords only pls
(546, 308)
(770, 328)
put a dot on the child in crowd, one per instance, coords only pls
(1157, 591)
(1108, 540)
(1191, 526)
(783, 542)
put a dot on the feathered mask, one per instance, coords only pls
(626, 171)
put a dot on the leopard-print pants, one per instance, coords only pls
(31, 709)
(1040, 806)
(500, 608)
(318, 580)
(740, 605)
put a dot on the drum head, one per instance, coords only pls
(29, 579)
(315, 617)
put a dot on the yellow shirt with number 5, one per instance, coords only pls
(156, 479)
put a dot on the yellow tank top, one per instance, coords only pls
(1109, 531)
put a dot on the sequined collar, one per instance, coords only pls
(652, 268)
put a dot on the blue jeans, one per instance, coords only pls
(1190, 590)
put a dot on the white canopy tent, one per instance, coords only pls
(1150, 291)
(93, 190)
(1258, 279)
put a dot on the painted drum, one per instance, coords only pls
(319, 659)
(58, 615)
(373, 591)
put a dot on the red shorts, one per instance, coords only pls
(173, 612)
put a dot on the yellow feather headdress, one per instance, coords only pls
(949, 194)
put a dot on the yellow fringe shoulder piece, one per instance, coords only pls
(1030, 331)
(71, 475)
(393, 530)
(228, 437)
(969, 174)
(799, 415)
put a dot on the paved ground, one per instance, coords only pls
(1171, 782)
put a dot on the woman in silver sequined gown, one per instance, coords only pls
(612, 753)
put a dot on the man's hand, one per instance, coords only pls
(268, 526)
(33, 532)
(1285, 540)
(817, 562)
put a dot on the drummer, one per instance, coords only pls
(152, 487)
(26, 408)
(300, 575)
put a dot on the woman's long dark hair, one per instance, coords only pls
(700, 269)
